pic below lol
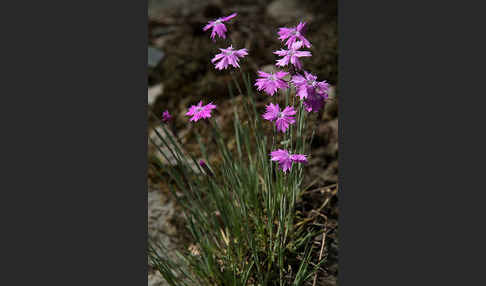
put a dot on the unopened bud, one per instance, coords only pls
(206, 168)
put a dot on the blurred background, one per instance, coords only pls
(180, 74)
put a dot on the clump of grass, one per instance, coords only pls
(241, 217)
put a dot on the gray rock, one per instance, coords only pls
(161, 212)
(288, 12)
(154, 92)
(154, 56)
(269, 68)
(160, 8)
(166, 149)
(156, 279)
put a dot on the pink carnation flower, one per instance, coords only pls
(282, 119)
(166, 116)
(293, 34)
(270, 82)
(228, 56)
(292, 55)
(285, 159)
(199, 111)
(308, 84)
(314, 102)
(218, 27)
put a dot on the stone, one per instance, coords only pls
(161, 212)
(159, 9)
(156, 279)
(288, 12)
(154, 56)
(269, 68)
(154, 92)
(157, 137)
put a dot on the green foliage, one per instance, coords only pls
(241, 218)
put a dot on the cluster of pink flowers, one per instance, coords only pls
(228, 56)
(311, 92)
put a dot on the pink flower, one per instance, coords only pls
(270, 82)
(293, 34)
(292, 55)
(218, 27)
(166, 116)
(282, 119)
(228, 56)
(308, 84)
(314, 102)
(312, 92)
(285, 159)
(199, 111)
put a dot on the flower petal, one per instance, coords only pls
(228, 17)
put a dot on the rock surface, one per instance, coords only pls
(156, 137)
(161, 214)
(287, 11)
(156, 279)
(154, 92)
(159, 8)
